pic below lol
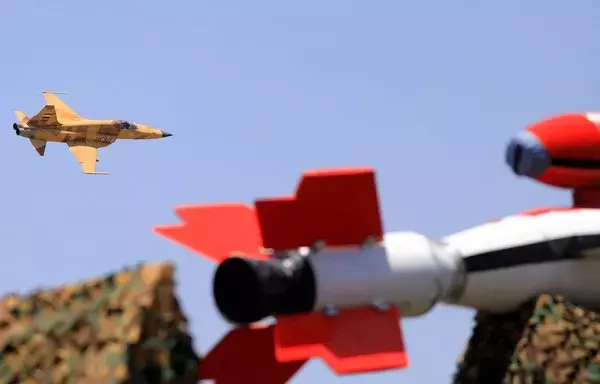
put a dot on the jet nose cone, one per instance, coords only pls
(166, 134)
(526, 155)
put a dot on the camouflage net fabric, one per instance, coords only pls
(122, 328)
(548, 341)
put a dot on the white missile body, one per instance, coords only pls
(559, 270)
(406, 270)
(486, 267)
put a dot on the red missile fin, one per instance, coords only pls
(338, 206)
(356, 340)
(216, 230)
(247, 355)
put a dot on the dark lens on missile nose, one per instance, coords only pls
(526, 155)
(518, 153)
(238, 291)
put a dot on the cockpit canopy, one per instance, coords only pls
(127, 125)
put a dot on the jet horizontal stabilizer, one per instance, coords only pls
(39, 145)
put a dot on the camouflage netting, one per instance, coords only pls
(123, 328)
(548, 341)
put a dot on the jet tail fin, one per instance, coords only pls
(39, 145)
(23, 118)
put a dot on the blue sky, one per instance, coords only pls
(426, 92)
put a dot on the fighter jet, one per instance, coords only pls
(56, 122)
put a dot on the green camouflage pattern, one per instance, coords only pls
(125, 327)
(547, 341)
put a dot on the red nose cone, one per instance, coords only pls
(568, 136)
(574, 138)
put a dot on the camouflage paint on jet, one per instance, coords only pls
(56, 122)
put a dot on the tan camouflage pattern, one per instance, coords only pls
(548, 341)
(57, 122)
(121, 328)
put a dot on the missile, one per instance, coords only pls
(336, 212)
(318, 261)
(562, 151)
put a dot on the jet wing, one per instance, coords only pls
(45, 118)
(87, 157)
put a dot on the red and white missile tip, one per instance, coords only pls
(562, 151)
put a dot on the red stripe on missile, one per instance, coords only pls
(537, 212)
(543, 211)
(356, 340)
(247, 355)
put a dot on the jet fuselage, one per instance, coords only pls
(101, 132)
